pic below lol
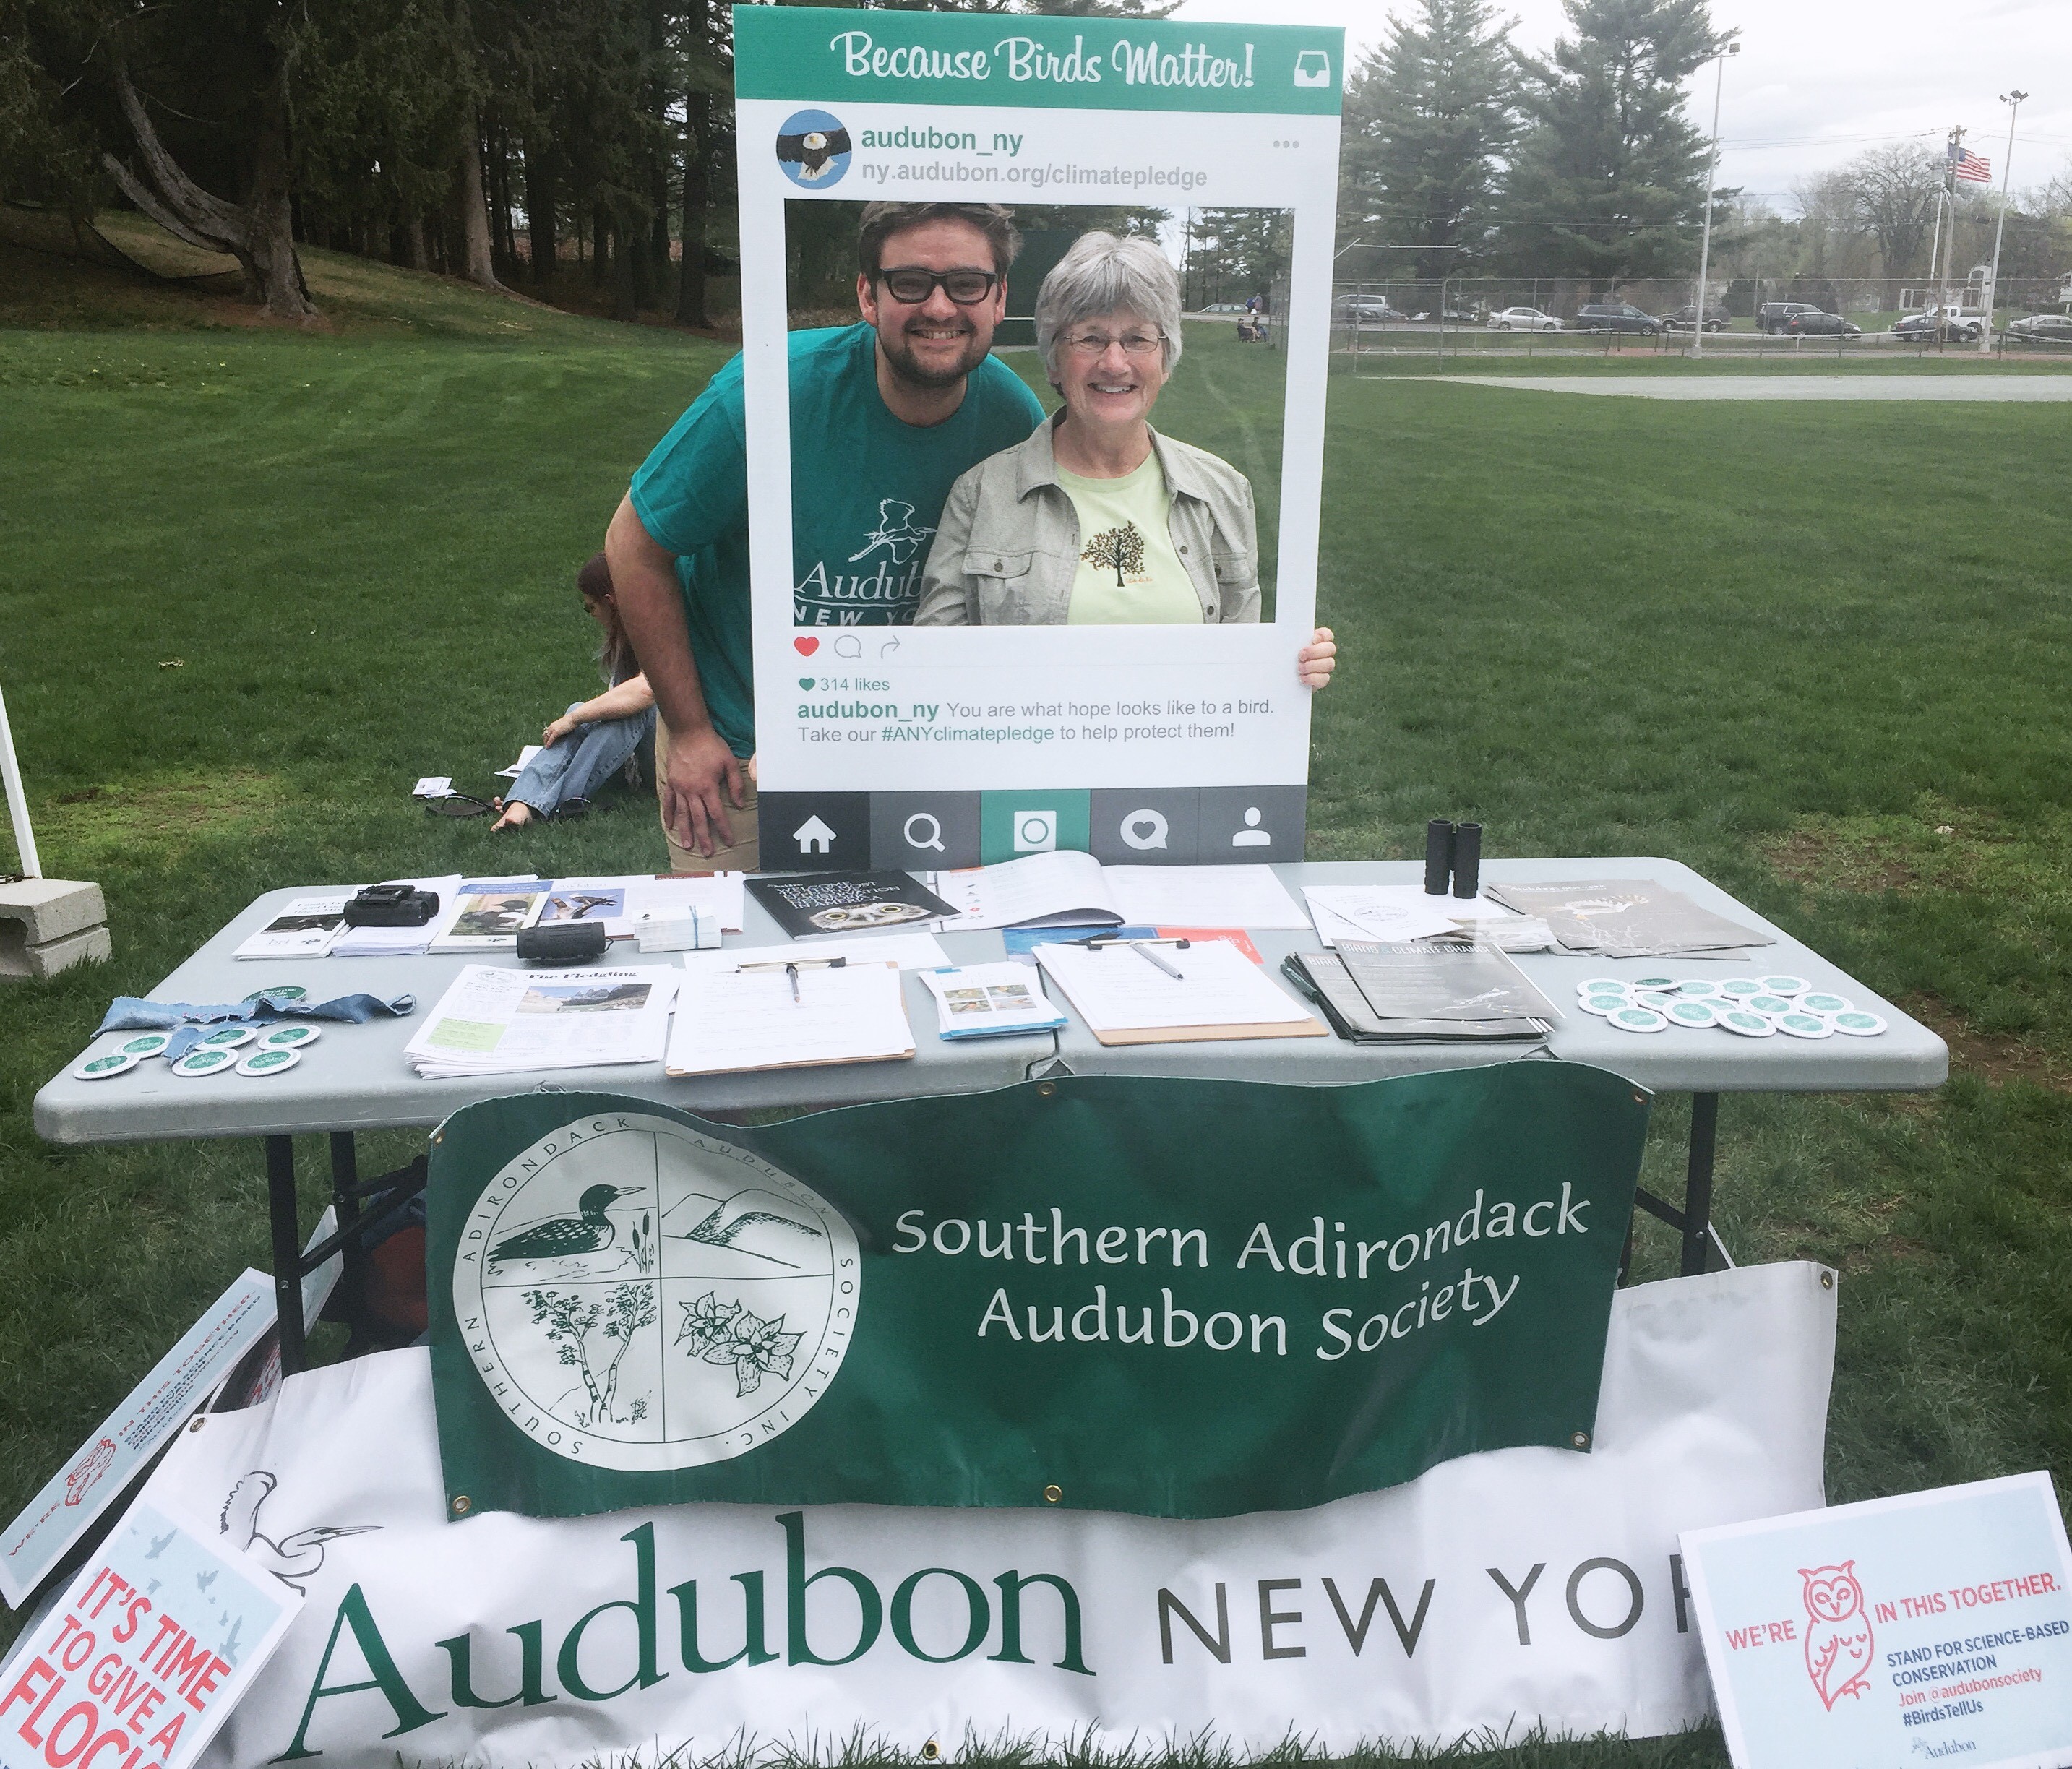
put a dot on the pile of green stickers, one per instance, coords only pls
(272, 1051)
(1749, 1006)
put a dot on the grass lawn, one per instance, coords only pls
(252, 584)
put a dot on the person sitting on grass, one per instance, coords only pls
(583, 748)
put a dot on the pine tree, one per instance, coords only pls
(1428, 115)
(1609, 177)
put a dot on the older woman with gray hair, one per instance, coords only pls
(1097, 518)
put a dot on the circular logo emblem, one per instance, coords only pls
(641, 1297)
(813, 149)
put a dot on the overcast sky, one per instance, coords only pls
(1817, 81)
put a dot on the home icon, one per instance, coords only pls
(813, 836)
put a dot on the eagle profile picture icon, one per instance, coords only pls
(813, 149)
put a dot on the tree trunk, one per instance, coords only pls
(600, 239)
(625, 256)
(414, 243)
(478, 267)
(259, 233)
(698, 186)
(539, 211)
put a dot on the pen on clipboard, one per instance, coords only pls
(1143, 950)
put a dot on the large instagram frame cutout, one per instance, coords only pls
(1054, 111)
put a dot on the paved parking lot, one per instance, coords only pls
(2009, 387)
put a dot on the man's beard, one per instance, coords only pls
(899, 354)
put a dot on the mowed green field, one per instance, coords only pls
(252, 585)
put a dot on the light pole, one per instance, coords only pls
(1712, 178)
(2013, 100)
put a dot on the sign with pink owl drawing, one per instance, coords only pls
(1896, 1632)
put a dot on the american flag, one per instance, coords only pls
(1966, 164)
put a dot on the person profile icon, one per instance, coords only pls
(1251, 835)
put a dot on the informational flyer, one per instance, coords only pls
(1899, 1631)
(945, 675)
(149, 1650)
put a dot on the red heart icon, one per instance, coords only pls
(805, 647)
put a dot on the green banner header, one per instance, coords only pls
(1179, 1298)
(1053, 63)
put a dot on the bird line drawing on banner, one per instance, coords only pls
(570, 1322)
(590, 1231)
(896, 532)
(1838, 1632)
(292, 1558)
(729, 1333)
(1120, 549)
(711, 1231)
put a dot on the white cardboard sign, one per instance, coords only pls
(1897, 1631)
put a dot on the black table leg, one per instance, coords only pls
(1697, 1224)
(345, 1201)
(281, 1208)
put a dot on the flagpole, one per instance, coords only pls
(1711, 178)
(2013, 100)
(1950, 187)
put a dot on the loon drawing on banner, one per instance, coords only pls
(641, 1297)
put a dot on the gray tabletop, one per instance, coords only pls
(357, 1078)
(1905, 1058)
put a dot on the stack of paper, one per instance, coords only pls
(1628, 918)
(1375, 993)
(1128, 993)
(1069, 889)
(622, 904)
(304, 929)
(486, 915)
(493, 1021)
(1407, 912)
(792, 1013)
(990, 1001)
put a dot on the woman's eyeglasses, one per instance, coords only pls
(912, 285)
(1135, 343)
(460, 804)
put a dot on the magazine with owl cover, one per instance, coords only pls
(1628, 918)
(1455, 981)
(808, 904)
(1108, 1292)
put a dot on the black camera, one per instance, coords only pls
(391, 906)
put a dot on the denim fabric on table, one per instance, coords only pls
(579, 764)
(189, 1023)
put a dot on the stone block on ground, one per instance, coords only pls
(49, 924)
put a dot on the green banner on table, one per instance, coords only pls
(1184, 1299)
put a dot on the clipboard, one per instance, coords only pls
(1134, 1004)
(736, 1020)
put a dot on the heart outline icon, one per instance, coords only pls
(805, 644)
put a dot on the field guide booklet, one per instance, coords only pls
(1901, 1633)
(879, 738)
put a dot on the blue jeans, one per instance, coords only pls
(578, 765)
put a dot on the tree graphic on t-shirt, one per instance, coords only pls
(1119, 548)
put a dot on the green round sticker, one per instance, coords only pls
(150, 1043)
(101, 1067)
(202, 1060)
(281, 992)
(268, 1062)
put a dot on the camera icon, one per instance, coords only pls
(1035, 831)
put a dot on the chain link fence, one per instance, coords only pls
(1381, 326)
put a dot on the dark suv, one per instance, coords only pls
(1682, 320)
(1774, 316)
(1817, 324)
(1617, 317)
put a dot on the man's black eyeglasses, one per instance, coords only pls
(912, 285)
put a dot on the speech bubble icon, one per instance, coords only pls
(1144, 830)
(849, 645)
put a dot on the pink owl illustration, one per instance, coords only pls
(1838, 1632)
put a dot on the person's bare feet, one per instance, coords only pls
(516, 815)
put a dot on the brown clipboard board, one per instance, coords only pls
(1198, 1034)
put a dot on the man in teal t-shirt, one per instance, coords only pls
(884, 415)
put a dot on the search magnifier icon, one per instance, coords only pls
(932, 839)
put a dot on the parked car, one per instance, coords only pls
(1931, 322)
(1224, 307)
(1715, 318)
(1773, 316)
(1817, 324)
(1617, 317)
(1524, 319)
(1370, 307)
(2048, 328)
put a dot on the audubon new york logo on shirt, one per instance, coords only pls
(878, 584)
